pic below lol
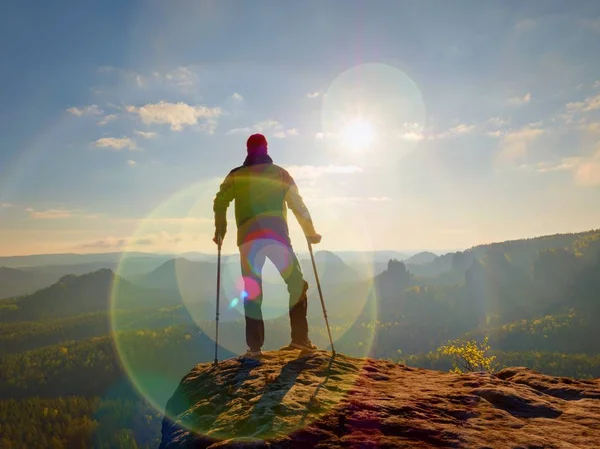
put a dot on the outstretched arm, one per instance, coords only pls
(297, 206)
(222, 199)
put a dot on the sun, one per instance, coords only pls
(358, 134)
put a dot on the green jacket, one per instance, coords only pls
(261, 191)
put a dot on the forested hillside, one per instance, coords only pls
(94, 357)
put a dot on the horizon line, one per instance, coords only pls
(175, 253)
(414, 251)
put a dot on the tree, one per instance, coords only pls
(469, 355)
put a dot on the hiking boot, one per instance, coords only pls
(253, 353)
(306, 346)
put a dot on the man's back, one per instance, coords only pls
(261, 190)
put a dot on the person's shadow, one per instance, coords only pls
(262, 417)
(269, 407)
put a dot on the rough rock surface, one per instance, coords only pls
(284, 401)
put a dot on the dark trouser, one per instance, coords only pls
(253, 255)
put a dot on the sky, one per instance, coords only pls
(407, 125)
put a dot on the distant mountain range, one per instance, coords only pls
(28, 279)
(15, 282)
(67, 259)
(71, 295)
(194, 275)
(112, 259)
(421, 258)
(99, 291)
(190, 277)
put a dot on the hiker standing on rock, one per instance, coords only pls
(261, 190)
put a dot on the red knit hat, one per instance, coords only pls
(256, 142)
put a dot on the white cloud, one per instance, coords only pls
(585, 170)
(170, 220)
(273, 127)
(589, 104)
(238, 98)
(108, 242)
(348, 199)
(592, 127)
(566, 118)
(552, 166)
(516, 101)
(260, 127)
(106, 119)
(498, 121)
(286, 133)
(6, 205)
(414, 132)
(86, 110)
(177, 115)
(169, 238)
(131, 162)
(267, 125)
(209, 126)
(245, 130)
(180, 77)
(124, 74)
(462, 129)
(146, 134)
(311, 173)
(514, 144)
(323, 136)
(162, 238)
(50, 214)
(115, 143)
(596, 84)
(313, 94)
(414, 136)
(458, 130)
(588, 174)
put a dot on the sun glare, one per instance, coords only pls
(358, 134)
